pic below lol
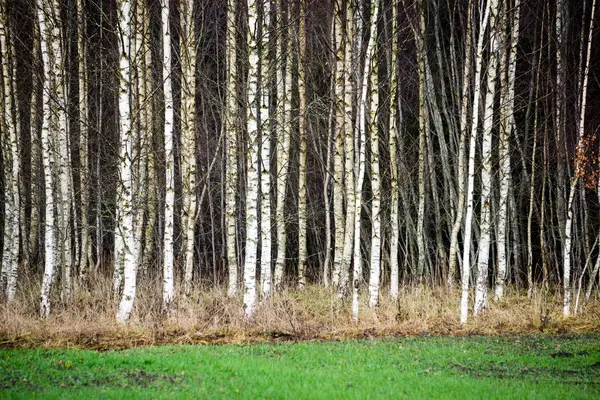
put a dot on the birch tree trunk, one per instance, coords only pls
(357, 270)
(252, 187)
(464, 111)
(231, 170)
(560, 117)
(168, 241)
(188, 137)
(349, 85)
(284, 94)
(579, 172)
(393, 143)
(146, 212)
(486, 166)
(85, 259)
(10, 148)
(466, 272)
(50, 249)
(507, 125)
(61, 153)
(302, 196)
(125, 240)
(338, 178)
(373, 61)
(268, 71)
(423, 132)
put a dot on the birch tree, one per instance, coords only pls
(267, 74)
(252, 187)
(302, 195)
(168, 241)
(231, 173)
(338, 157)
(466, 271)
(188, 136)
(11, 159)
(50, 249)
(464, 111)
(348, 148)
(507, 125)
(284, 92)
(393, 144)
(373, 59)
(423, 128)
(85, 259)
(61, 153)
(486, 165)
(126, 244)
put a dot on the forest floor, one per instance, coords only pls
(524, 366)
(208, 316)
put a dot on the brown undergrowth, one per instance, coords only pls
(208, 316)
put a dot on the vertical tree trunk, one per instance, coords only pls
(50, 249)
(560, 33)
(350, 196)
(486, 166)
(62, 157)
(375, 264)
(231, 170)
(188, 137)
(11, 158)
(253, 173)
(284, 94)
(85, 259)
(423, 128)
(168, 261)
(126, 258)
(466, 272)
(268, 71)
(366, 112)
(464, 111)
(302, 196)
(507, 125)
(338, 168)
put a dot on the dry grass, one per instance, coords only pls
(208, 316)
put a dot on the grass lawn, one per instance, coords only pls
(547, 367)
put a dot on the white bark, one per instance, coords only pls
(375, 264)
(466, 272)
(61, 154)
(567, 250)
(357, 271)
(464, 111)
(507, 122)
(423, 132)
(284, 94)
(252, 184)
(302, 198)
(125, 242)
(231, 170)
(486, 166)
(168, 242)
(338, 182)
(268, 69)
(47, 149)
(393, 143)
(349, 150)
(188, 138)
(10, 148)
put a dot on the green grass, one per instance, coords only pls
(561, 367)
